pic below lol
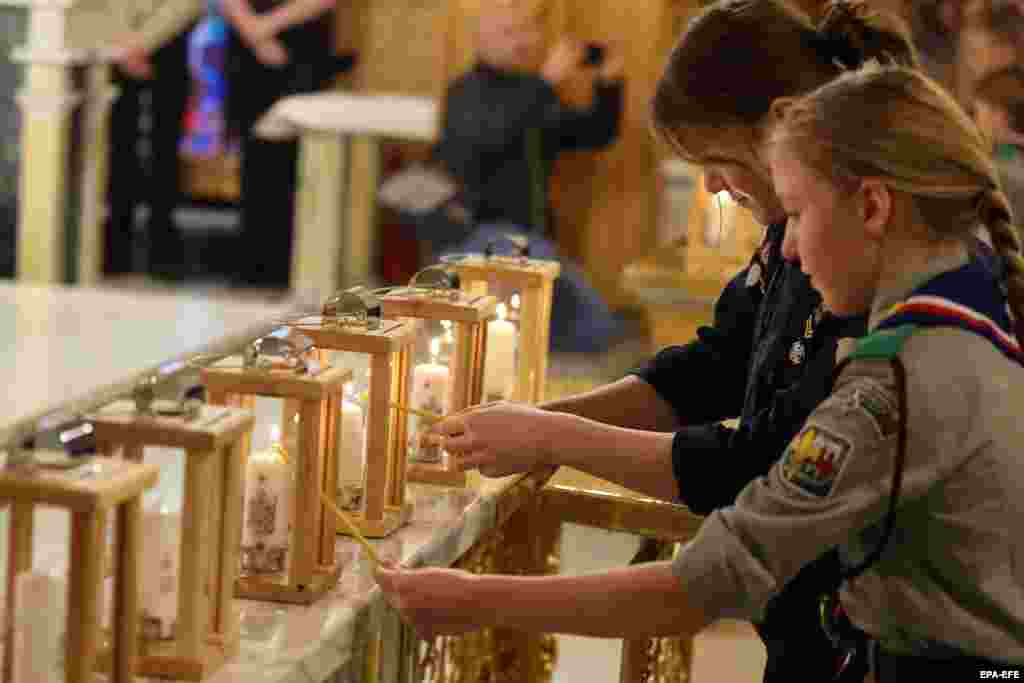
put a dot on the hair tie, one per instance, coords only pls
(835, 49)
(983, 204)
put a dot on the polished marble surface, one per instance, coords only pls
(59, 344)
(319, 642)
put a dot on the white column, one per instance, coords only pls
(360, 226)
(319, 205)
(46, 102)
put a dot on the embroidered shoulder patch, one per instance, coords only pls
(813, 460)
(871, 400)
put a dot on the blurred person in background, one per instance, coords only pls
(150, 41)
(275, 49)
(504, 126)
(1000, 112)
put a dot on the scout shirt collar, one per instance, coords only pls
(964, 291)
(888, 297)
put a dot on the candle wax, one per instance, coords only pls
(269, 507)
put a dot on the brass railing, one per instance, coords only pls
(525, 540)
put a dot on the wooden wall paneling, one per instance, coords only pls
(606, 201)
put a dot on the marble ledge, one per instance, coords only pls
(324, 642)
(321, 642)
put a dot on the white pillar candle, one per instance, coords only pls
(500, 361)
(161, 537)
(430, 389)
(40, 625)
(351, 453)
(266, 528)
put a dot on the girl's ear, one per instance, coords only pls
(876, 206)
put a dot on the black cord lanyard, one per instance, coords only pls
(900, 374)
(850, 642)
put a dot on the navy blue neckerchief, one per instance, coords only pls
(970, 297)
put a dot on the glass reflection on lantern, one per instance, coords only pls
(447, 373)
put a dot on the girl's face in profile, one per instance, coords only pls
(825, 231)
(734, 168)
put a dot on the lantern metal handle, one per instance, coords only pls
(187, 405)
(287, 348)
(354, 307)
(436, 281)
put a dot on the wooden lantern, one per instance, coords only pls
(534, 280)
(434, 295)
(352, 322)
(207, 630)
(294, 375)
(90, 492)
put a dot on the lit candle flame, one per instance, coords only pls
(275, 433)
(725, 197)
(515, 301)
(435, 347)
(502, 311)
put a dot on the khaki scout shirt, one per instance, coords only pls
(97, 24)
(952, 573)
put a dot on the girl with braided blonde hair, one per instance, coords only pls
(921, 429)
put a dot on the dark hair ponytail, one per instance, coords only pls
(736, 57)
(857, 34)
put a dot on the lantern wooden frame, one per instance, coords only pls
(90, 496)
(469, 314)
(534, 278)
(384, 509)
(313, 569)
(214, 440)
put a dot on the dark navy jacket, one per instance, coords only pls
(767, 360)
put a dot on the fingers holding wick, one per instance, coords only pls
(451, 435)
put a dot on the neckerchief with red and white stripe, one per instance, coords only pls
(969, 297)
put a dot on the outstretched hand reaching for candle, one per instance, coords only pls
(499, 438)
(433, 601)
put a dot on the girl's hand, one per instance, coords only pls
(433, 601)
(499, 438)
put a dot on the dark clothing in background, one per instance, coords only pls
(269, 172)
(768, 360)
(484, 138)
(158, 182)
(501, 134)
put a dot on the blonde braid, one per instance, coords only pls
(995, 213)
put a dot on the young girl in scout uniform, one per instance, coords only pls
(913, 463)
(911, 466)
(768, 357)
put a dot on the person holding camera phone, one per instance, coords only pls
(504, 126)
(511, 95)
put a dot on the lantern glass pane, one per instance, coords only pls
(431, 385)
